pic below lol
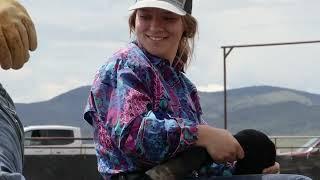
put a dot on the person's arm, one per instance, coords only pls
(17, 35)
(124, 103)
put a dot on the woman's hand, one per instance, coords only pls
(275, 169)
(220, 144)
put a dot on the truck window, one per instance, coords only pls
(60, 133)
(32, 134)
(53, 133)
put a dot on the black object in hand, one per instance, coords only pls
(260, 152)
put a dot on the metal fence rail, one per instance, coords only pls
(290, 142)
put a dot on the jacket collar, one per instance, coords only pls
(157, 61)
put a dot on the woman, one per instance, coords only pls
(143, 108)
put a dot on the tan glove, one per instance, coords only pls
(17, 35)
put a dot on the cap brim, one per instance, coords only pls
(158, 4)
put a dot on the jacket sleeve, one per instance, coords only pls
(217, 170)
(124, 106)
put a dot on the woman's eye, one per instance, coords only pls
(170, 18)
(145, 17)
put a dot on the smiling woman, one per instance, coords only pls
(158, 31)
(143, 108)
(170, 35)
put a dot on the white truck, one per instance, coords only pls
(55, 139)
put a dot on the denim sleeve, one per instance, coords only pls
(11, 139)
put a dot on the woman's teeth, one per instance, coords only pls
(156, 38)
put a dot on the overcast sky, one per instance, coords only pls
(76, 37)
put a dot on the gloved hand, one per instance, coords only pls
(17, 35)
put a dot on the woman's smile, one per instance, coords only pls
(156, 38)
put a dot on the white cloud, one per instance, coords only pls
(15, 75)
(112, 45)
(210, 88)
(48, 90)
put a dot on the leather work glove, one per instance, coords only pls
(17, 35)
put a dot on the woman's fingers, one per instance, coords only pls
(273, 169)
(221, 145)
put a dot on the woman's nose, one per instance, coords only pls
(156, 24)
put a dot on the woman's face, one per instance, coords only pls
(159, 32)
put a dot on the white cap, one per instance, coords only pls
(180, 7)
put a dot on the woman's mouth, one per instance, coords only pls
(155, 38)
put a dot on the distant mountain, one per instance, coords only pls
(274, 110)
(65, 109)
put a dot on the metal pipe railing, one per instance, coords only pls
(276, 140)
(226, 52)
